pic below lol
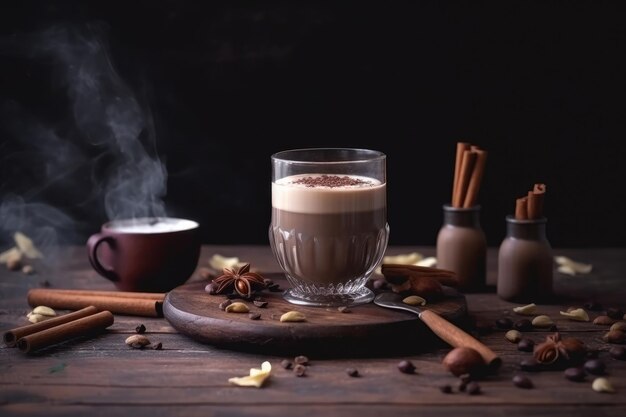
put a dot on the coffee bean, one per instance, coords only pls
(526, 345)
(529, 365)
(522, 381)
(595, 366)
(615, 313)
(473, 388)
(299, 370)
(523, 325)
(574, 374)
(446, 389)
(406, 367)
(301, 360)
(504, 323)
(352, 372)
(140, 329)
(285, 363)
(618, 352)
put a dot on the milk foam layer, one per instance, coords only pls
(290, 196)
(152, 225)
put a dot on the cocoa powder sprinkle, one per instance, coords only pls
(331, 181)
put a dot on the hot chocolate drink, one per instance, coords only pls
(328, 232)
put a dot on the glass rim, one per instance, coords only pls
(368, 155)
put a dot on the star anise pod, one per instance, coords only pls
(239, 279)
(555, 348)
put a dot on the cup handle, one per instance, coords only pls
(92, 246)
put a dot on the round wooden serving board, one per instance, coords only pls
(366, 329)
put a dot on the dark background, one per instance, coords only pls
(538, 84)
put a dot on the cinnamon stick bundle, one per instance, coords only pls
(107, 300)
(83, 326)
(530, 207)
(468, 174)
(13, 335)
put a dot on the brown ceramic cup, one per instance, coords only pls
(147, 254)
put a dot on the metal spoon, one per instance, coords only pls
(447, 331)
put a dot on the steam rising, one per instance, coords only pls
(102, 154)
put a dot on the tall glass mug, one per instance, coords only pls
(329, 226)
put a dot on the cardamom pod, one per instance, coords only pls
(526, 310)
(620, 325)
(542, 321)
(137, 341)
(513, 336)
(44, 311)
(414, 300)
(237, 307)
(602, 385)
(292, 316)
(577, 314)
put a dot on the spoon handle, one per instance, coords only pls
(456, 337)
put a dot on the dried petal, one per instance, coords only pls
(577, 314)
(256, 378)
(527, 310)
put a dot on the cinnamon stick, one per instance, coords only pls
(467, 164)
(156, 296)
(471, 196)
(119, 305)
(535, 201)
(444, 276)
(521, 208)
(80, 327)
(460, 148)
(13, 335)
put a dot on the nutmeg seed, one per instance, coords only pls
(513, 336)
(463, 360)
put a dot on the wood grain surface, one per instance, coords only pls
(364, 329)
(102, 376)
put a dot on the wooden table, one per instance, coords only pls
(103, 376)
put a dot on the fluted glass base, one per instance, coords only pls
(362, 296)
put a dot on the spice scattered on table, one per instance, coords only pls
(137, 341)
(570, 267)
(527, 310)
(406, 367)
(292, 316)
(256, 378)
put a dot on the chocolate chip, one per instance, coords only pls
(286, 363)
(260, 304)
(352, 372)
(254, 316)
(140, 329)
(574, 374)
(595, 366)
(406, 367)
(522, 381)
(158, 346)
(526, 345)
(224, 304)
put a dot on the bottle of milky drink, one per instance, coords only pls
(462, 247)
(525, 259)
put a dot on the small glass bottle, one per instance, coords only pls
(462, 247)
(525, 262)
